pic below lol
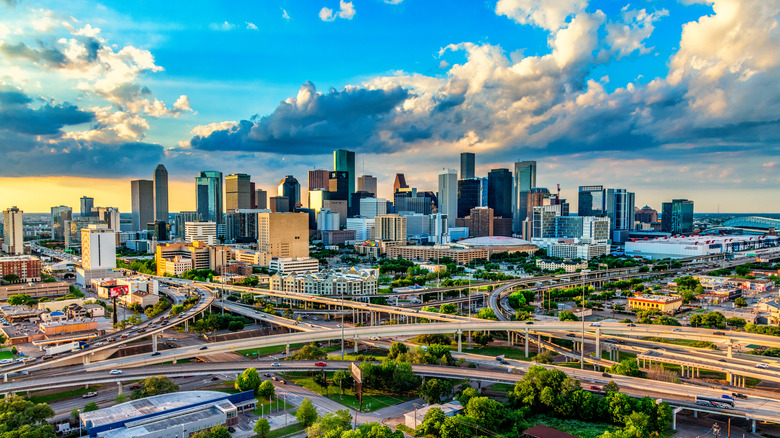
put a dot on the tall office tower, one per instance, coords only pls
(338, 186)
(354, 210)
(98, 247)
(524, 180)
(317, 198)
(252, 195)
(318, 179)
(208, 195)
(391, 227)
(158, 230)
(367, 183)
(280, 204)
(182, 218)
(480, 221)
(261, 199)
(400, 183)
(160, 193)
(201, 232)
(468, 195)
(500, 192)
(13, 231)
(108, 215)
(241, 225)
(238, 192)
(543, 220)
(646, 215)
(483, 191)
(537, 197)
(344, 161)
(590, 201)
(283, 234)
(466, 165)
(58, 217)
(448, 194)
(372, 207)
(86, 204)
(677, 216)
(291, 189)
(142, 199)
(619, 206)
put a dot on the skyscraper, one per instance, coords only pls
(318, 179)
(448, 194)
(58, 217)
(280, 204)
(344, 161)
(108, 215)
(238, 193)
(283, 234)
(677, 216)
(339, 186)
(367, 183)
(537, 197)
(252, 195)
(86, 204)
(160, 194)
(400, 183)
(261, 199)
(500, 192)
(590, 201)
(525, 179)
(142, 200)
(13, 229)
(468, 195)
(619, 206)
(466, 165)
(290, 188)
(208, 195)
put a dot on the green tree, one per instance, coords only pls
(404, 379)
(309, 352)
(120, 398)
(262, 428)
(372, 430)
(154, 386)
(431, 423)
(266, 390)
(544, 357)
(482, 338)
(666, 320)
(397, 349)
(567, 315)
(333, 424)
(306, 413)
(74, 414)
(627, 367)
(448, 309)
(611, 387)
(343, 379)
(22, 418)
(736, 322)
(487, 313)
(458, 426)
(214, 432)
(91, 406)
(740, 302)
(466, 395)
(433, 390)
(486, 412)
(12, 278)
(437, 338)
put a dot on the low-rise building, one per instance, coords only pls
(335, 237)
(258, 258)
(460, 256)
(35, 290)
(564, 250)
(292, 266)
(175, 266)
(663, 304)
(26, 267)
(20, 313)
(178, 414)
(67, 326)
(414, 418)
(755, 284)
(331, 282)
(567, 265)
(143, 299)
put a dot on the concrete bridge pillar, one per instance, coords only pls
(119, 387)
(729, 377)
(5, 377)
(538, 343)
(753, 427)
(526, 342)
(509, 337)
(287, 349)
(730, 351)
(154, 343)
(460, 349)
(697, 372)
(598, 343)
(186, 325)
(355, 341)
(86, 360)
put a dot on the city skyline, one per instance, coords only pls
(652, 97)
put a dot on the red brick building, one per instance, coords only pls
(27, 268)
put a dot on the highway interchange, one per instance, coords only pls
(138, 366)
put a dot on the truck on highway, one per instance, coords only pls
(70, 346)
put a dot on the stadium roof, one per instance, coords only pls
(753, 222)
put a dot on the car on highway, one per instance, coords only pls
(718, 333)
(134, 387)
(571, 335)
(721, 360)
(605, 375)
(595, 388)
(504, 362)
(267, 375)
(739, 395)
(115, 372)
(274, 378)
(283, 382)
(320, 364)
(89, 394)
(275, 364)
(727, 397)
(631, 324)
(595, 324)
(763, 366)
(529, 322)
(203, 348)
(677, 330)
(156, 353)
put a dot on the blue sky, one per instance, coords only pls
(668, 99)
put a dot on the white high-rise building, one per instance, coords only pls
(448, 193)
(328, 220)
(373, 207)
(363, 227)
(201, 231)
(14, 231)
(98, 247)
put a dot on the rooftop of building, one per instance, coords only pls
(350, 274)
(656, 298)
(67, 322)
(493, 241)
(18, 258)
(542, 431)
(149, 405)
(703, 239)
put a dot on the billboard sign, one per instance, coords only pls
(119, 290)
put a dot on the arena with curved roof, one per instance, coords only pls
(753, 223)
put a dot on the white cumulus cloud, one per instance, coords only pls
(346, 11)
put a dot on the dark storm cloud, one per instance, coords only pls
(313, 123)
(16, 115)
(45, 55)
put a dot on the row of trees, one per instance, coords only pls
(337, 425)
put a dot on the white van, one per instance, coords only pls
(595, 324)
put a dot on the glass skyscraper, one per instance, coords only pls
(590, 201)
(161, 193)
(209, 196)
(499, 196)
(468, 195)
(677, 216)
(525, 179)
(344, 161)
(466, 165)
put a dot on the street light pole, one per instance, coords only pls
(342, 324)
(582, 317)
